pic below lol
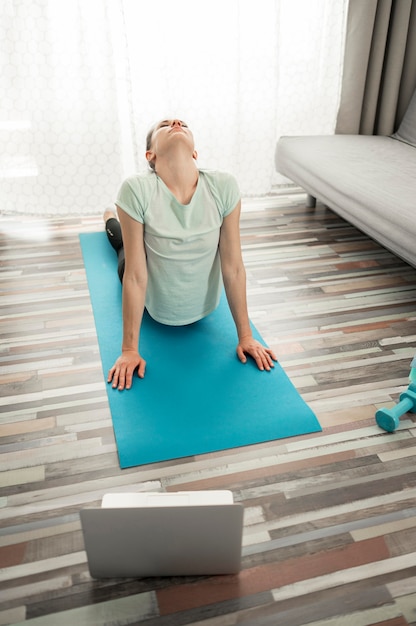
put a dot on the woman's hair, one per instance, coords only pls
(149, 145)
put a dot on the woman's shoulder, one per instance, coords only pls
(218, 177)
(224, 188)
(142, 181)
(135, 193)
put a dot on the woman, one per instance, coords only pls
(181, 241)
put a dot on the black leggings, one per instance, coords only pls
(113, 230)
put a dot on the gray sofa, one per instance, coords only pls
(370, 181)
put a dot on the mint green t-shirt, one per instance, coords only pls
(181, 242)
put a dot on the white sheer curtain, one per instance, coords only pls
(83, 80)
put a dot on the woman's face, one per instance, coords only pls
(168, 132)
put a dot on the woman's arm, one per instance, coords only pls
(234, 276)
(133, 298)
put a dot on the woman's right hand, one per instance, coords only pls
(121, 374)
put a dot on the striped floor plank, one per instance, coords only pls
(329, 518)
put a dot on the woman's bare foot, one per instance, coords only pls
(108, 214)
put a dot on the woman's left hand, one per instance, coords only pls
(263, 356)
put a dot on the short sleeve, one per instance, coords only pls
(132, 198)
(232, 195)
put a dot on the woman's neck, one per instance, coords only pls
(180, 177)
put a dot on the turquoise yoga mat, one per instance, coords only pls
(196, 396)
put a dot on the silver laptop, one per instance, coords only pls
(163, 534)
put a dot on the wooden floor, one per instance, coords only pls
(330, 518)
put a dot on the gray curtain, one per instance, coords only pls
(379, 74)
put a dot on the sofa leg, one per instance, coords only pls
(310, 201)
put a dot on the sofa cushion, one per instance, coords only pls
(407, 129)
